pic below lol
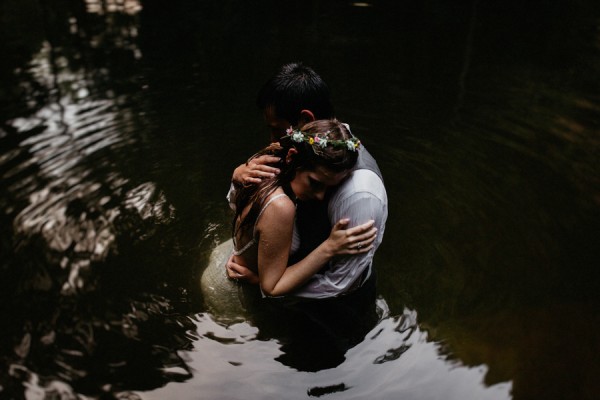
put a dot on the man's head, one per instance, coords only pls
(294, 96)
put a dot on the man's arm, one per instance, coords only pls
(361, 197)
(254, 171)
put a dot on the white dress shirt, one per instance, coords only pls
(361, 197)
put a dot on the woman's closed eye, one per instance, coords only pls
(316, 185)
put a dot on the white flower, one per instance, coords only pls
(298, 137)
(350, 145)
(323, 142)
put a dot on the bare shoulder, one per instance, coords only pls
(280, 205)
(280, 210)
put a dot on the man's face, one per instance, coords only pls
(276, 126)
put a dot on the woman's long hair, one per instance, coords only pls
(308, 157)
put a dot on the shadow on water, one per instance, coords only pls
(121, 122)
(497, 215)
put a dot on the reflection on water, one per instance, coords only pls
(73, 322)
(121, 122)
(61, 169)
(113, 6)
(394, 361)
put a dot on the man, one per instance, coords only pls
(294, 96)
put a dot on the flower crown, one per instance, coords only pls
(322, 140)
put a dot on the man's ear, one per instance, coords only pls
(290, 155)
(306, 116)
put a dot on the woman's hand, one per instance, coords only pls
(355, 240)
(256, 170)
(238, 272)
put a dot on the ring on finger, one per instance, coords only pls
(359, 245)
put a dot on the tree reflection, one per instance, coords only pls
(77, 317)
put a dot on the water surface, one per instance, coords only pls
(121, 122)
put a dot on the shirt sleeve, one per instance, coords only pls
(361, 198)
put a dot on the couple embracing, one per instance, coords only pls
(310, 208)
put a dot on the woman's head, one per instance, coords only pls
(313, 158)
(320, 155)
(323, 143)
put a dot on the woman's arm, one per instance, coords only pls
(276, 229)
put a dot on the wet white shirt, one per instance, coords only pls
(361, 197)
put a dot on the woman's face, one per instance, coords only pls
(313, 184)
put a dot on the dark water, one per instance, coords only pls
(121, 122)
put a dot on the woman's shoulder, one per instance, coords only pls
(277, 215)
(279, 198)
(279, 204)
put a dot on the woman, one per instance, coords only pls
(312, 160)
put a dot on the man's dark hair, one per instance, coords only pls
(294, 88)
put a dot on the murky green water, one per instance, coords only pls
(121, 122)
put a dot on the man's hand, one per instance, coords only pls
(256, 170)
(237, 272)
